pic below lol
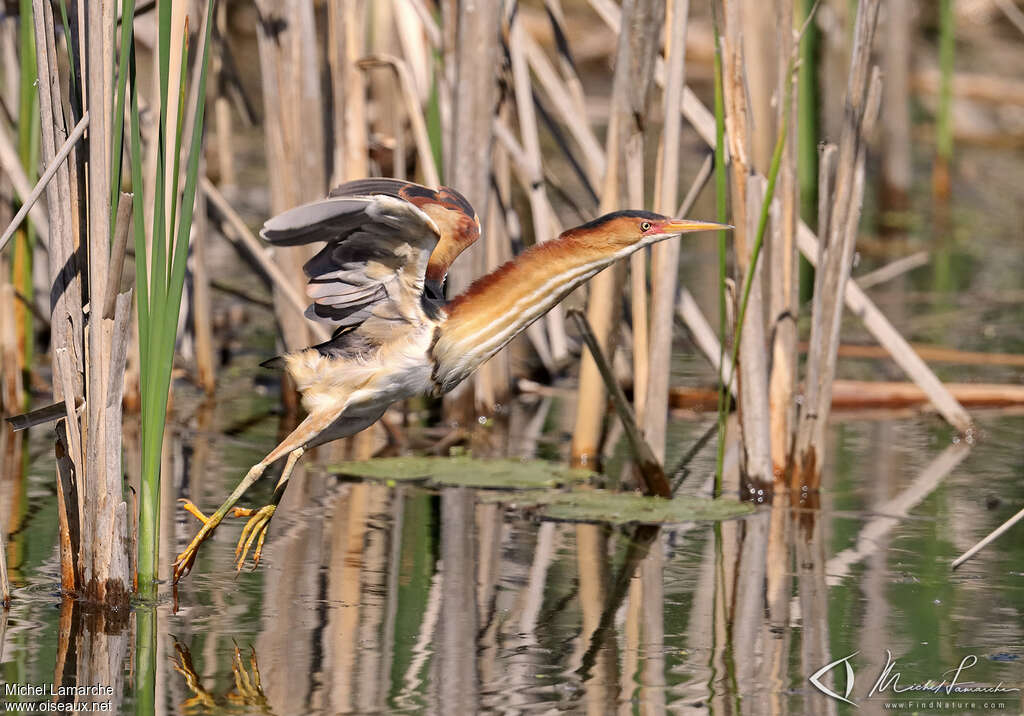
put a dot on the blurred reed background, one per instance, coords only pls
(544, 114)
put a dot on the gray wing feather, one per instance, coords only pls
(376, 253)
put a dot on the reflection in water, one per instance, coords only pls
(246, 692)
(402, 600)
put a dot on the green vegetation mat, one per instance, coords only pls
(534, 484)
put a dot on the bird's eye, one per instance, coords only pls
(646, 226)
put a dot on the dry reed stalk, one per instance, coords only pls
(856, 300)
(746, 205)
(665, 255)
(574, 87)
(559, 95)
(11, 384)
(839, 215)
(99, 96)
(893, 269)
(414, 111)
(988, 539)
(11, 165)
(649, 466)
(537, 193)
(761, 25)
(987, 88)
(346, 23)
(295, 141)
(417, 34)
(940, 354)
(704, 337)
(94, 462)
(239, 232)
(896, 142)
(783, 290)
(28, 204)
(5, 587)
(630, 103)
(118, 250)
(224, 145)
(638, 287)
(473, 98)
(202, 311)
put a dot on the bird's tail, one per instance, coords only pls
(275, 363)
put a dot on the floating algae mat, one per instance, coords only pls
(465, 472)
(535, 481)
(620, 508)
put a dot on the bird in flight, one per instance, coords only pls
(378, 281)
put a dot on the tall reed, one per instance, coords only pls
(159, 292)
(944, 117)
(28, 153)
(721, 203)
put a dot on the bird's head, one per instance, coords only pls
(622, 230)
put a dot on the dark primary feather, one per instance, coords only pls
(376, 253)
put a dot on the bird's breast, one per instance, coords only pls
(396, 370)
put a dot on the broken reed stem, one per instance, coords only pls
(991, 536)
(29, 202)
(755, 465)
(650, 469)
(122, 223)
(838, 216)
(762, 224)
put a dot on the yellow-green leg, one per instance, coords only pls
(255, 529)
(292, 446)
(183, 564)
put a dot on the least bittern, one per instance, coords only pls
(379, 281)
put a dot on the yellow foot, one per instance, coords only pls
(183, 564)
(255, 530)
(190, 507)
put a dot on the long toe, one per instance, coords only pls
(254, 533)
(190, 507)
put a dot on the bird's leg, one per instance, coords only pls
(306, 431)
(255, 529)
(183, 564)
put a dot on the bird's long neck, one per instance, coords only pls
(499, 306)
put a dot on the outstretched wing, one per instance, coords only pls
(451, 213)
(375, 260)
